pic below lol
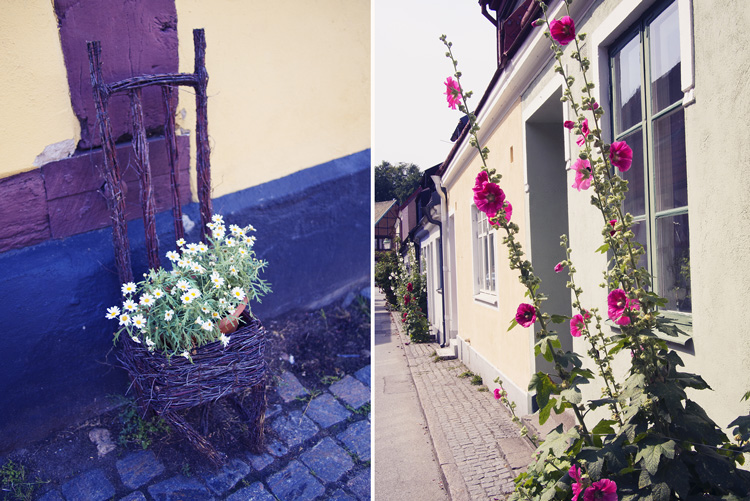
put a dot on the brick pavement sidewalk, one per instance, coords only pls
(319, 450)
(479, 448)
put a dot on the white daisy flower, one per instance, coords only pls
(168, 315)
(243, 252)
(202, 247)
(233, 270)
(224, 339)
(219, 232)
(218, 281)
(198, 268)
(222, 301)
(150, 344)
(215, 314)
(183, 285)
(147, 299)
(158, 293)
(238, 293)
(187, 298)
(173, 256)
(210, 225)
(231, 242)
(217, 218)
(124, 319)
(135, 339)
(113, 312)
(194, 293)
(235, 230)
(130, 305)
(249, 227)
(128, 288)
(183, 263)
(204, 309)
(180, 242)
(139, 322)
(207, 326)
(185, 354)
(249, 241)
(191, 248)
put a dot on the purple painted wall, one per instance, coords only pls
(137, 38)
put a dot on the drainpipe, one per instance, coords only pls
(445, 274)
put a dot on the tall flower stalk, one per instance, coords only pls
(658, 443)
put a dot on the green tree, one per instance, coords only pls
(396, 181)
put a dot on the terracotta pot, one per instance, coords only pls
(229, 324)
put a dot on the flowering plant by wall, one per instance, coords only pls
(656, 443)
(176, 311)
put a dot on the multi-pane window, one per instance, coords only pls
(484, 253)
(648, 115)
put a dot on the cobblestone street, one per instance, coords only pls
(315, 450)
(479, 448)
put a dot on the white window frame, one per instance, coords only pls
(485, 265)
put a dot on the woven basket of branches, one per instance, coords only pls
(167, 386)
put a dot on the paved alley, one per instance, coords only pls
(478, 449)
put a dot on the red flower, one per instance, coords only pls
(584, 132)
(482, 178)
(562, 31)
(407, 299)
(569, 124)
(452, 93)
(604, 490)
(525, 315)
(409, 287)
(613, 223)
(489, 199)
(621, 155)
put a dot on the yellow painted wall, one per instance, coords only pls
(486, 327)
(289, 84)
(36, 109)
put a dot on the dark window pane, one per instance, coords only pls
(640, 231)
(664, 37)
(669, 156)
(627, 81)
(635, 200)
(673, 261)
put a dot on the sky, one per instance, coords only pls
(411, 121)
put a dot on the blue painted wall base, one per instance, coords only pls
(57, 360)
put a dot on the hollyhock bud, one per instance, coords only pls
(559, 267)
(569, 124)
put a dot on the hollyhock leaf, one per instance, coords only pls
(572, 395)
(558, 319)
(513, 324)
(651, 455)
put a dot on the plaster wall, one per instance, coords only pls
(279, 99)
(36, 105)
(482, 326)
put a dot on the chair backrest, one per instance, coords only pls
(114, 194)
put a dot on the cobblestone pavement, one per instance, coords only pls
(315, 451)
(478, 446)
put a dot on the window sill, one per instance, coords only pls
(486, 298)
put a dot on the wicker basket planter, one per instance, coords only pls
(170, 386)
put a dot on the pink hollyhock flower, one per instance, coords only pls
(569, 124)
(482, 178)
(613, 223)
(409, 287)
(603, 490)
(621, 155)
(489, 199)
(618, 303)
(559, 267)
(525, 315)
(583, 175)
(577, 486)
(498, 393)
(584, 132)
(508, 211)
(452, 93)
(577, 325)
(563, 31)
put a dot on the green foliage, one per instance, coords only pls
(15, 484)
(139, 431)
(411, 298)
(387, 275)
(476, 380)
(396, 181)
